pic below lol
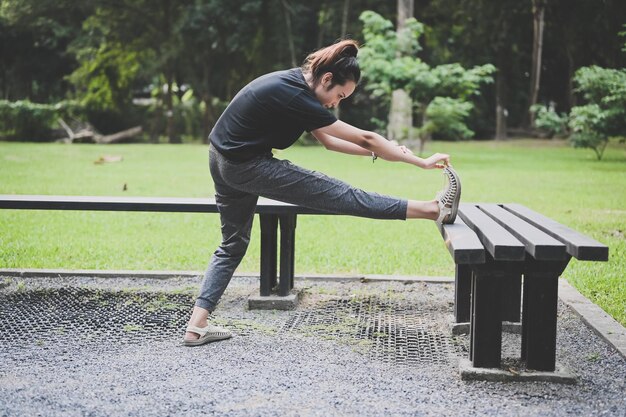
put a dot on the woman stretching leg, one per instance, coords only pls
(272, 112)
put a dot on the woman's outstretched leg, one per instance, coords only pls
(283, 181)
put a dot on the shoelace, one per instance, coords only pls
(451, 190)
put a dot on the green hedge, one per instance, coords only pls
(28, 121)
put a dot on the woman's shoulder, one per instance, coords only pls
(288, 82)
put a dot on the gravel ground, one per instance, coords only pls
(274, 366)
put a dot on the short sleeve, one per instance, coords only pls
(309, 112)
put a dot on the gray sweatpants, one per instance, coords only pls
(237, 188)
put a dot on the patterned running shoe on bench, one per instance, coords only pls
(448, 199)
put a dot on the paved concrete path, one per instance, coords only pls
(351, 349)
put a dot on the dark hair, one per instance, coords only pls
(338, 59)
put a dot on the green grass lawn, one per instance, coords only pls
(568, 185)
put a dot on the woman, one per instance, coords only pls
(272, 112)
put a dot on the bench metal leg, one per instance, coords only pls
(524, 318)
(287, 252)
(462, 291)
(471, 332)
(269, 241)
(486, 320)
(539, 324)
(539, 317)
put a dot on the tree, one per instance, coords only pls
(400, 110)
(147, 32)
(441, 94)
(107, 71)
(218, 52)
(472, 32)
(604, 114)
(539, 11)
(206, 50)
(578, 33)
(34, 35)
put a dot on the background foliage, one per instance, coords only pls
(23, 119)
(105, 53)
(439, 94)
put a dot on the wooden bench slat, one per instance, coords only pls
(462, 243)
(539, 245)
(578, 245)
(154, 204)
(502, 245)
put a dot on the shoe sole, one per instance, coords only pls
(455, 204)
(204, 340)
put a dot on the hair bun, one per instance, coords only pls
(338, 58)
(350, 48)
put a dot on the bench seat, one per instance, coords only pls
(154, 204)
(271, 213)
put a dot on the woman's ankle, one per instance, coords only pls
(199, 316)
(422, 210)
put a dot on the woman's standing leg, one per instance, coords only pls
(236, 214)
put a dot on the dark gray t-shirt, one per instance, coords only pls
(270, 112)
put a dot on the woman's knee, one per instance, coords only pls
(235, 248)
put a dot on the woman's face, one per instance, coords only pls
(330, 97)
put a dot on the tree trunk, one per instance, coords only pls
(501, 111)
(400, 116)
(502, 64)
(571, 98)
(405, 11)
(344, 18)
(344, 33)
(169, 111)
(206, 118)
(3, 85)
(425, 136)
(321, 24)
(400, 120)
(116, 137)
(169, 69)
(207, 115)
(292, 49)
(154, 129)
(539, 8)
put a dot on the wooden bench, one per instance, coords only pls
(271, 213)
(493, 246)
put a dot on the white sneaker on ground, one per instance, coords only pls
(210, 333)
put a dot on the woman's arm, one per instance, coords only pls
(373, 142)
(339, 145)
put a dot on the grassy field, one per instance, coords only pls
(548, 176)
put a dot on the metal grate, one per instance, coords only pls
(396, 332)
(52, 315)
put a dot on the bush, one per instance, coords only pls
(25, 120)
(604, 115)
(440, 94)
(587, 123)
(446, 118)
(548, 119)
